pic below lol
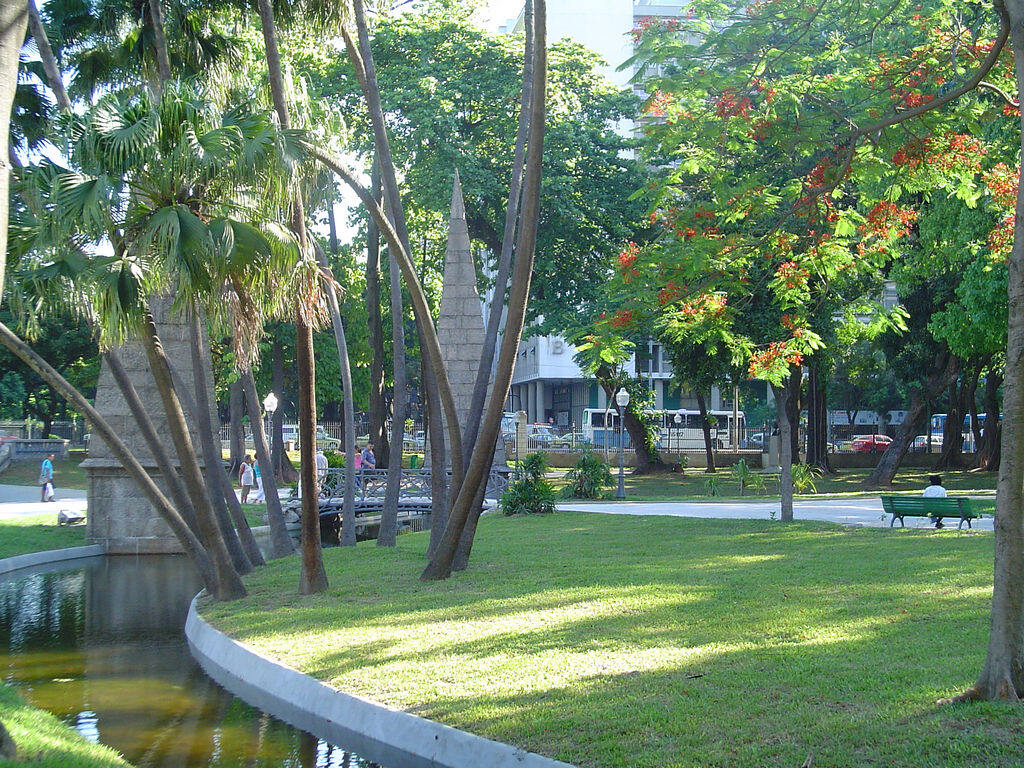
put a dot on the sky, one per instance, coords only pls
(499, 11)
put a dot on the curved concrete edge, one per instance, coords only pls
(371, 730)
(34, 559)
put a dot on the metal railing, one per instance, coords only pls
(5, 456)
(415, 484)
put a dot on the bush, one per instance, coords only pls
(713, 485)
(804, 476)
(589, 479)
(334, 459)
(530, 494)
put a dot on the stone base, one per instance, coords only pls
(120, 518)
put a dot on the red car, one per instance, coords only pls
(871, 443)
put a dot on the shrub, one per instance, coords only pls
(530, 493)
(589, 478)
(803, 478)
(713, 485)
(334, 459)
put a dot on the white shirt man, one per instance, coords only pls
(935, 489)
(321, 464)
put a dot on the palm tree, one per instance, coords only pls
(13, 17)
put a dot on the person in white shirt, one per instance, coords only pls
(321, 464)
(935, 491)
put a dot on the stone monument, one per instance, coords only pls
(460, 325)
(119, 516)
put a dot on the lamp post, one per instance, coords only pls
(517, 420)
(621, 400)
(270, 405)
(678, 419)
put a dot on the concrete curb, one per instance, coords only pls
(32, 559)
(371, 730)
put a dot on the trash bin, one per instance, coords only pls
(414, 461)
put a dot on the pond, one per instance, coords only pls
(101, 645)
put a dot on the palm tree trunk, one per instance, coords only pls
(348, 510)
(782, 395)
(191, 474)
(280, 541)
(236, 405)
(313, 578)
(281, 467)
(366, 73)
(440, 564)
(375, 330)
(483, 373)
(439, 501)
(153, 442)
(163, 60)
(50, 66)
(217, 480)
(218, 575)
(388, 531)
(13, 16)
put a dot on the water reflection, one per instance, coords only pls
(102, 648)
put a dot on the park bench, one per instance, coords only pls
(919, 506)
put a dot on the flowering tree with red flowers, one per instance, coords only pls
(796, 142)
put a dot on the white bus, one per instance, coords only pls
(687, 435)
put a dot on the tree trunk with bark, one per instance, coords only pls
(348, 510)
(439, 496)
(388, 532)
(236, 429)
(1002, 676)
(793, 411)
(211, 529)
(817, 419)
(282, 466)
(782, 395)
(280, 541)
(375, 331)
(50, 66)
(951, 456)
(705, 425)
(221, 492)
(13, 18)
(312, 578)
(163, 59)
(944, 369)
(220, 579)
(988, 452)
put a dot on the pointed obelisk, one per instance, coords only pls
(460, 325)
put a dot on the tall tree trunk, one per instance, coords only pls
(332, 224)
(236, 405)
(348, 510)
(793, 411)
(13, 17)
(223, 495)
(217, 574)
(817, 418)
(388, 531)
(375, 330)
(705, 425)
(312, 578)
(439, 491)
(191, 474)
(944, 369)
(440, 564)
(989, 446)
(366, 73)
(50, 66)
(782, 396)
(1002, 676)
(156, 446)
(951, 456)
(163, 60)
(648, 459)
(280, 541)
(971, 402)
(483, 374)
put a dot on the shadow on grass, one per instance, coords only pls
(605, 640)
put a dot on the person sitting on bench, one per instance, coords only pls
(935, 491)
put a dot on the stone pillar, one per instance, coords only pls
(538, 399)
(460, 325)
(119, 516)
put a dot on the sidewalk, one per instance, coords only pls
(863, 512)
(23, 500)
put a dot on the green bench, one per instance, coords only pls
(919, 506)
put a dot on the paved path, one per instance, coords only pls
(866, 512)
(19, 500)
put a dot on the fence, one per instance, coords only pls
(75, 432)
(671, 440)
(331, 434)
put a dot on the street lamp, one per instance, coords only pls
(270, 405)
(678, 419)
(621, 400)
(517, 420)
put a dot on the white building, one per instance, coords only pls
(547, 384)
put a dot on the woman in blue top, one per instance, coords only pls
(46, 478)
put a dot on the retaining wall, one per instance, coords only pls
(376, 732)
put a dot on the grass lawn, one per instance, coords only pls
(43, 741)
(662, 642)
(692, 484)
(66, 473)
(20, 535)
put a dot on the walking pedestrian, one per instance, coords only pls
(46, 479)
(245, 477)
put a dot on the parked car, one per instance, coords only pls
(920, 444)
(291, 432)
(871, 443)
(572, 440)
(540, 435)
(754, 441)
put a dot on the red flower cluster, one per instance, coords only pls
(956, 151)
(628, 255)
(622, 318)
(1002, 185)
(646, 23)
(792, 274)
(887, 220)
(763, 361)
(668, 294)
(707, 306)
(658, 104)
(731, 105)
